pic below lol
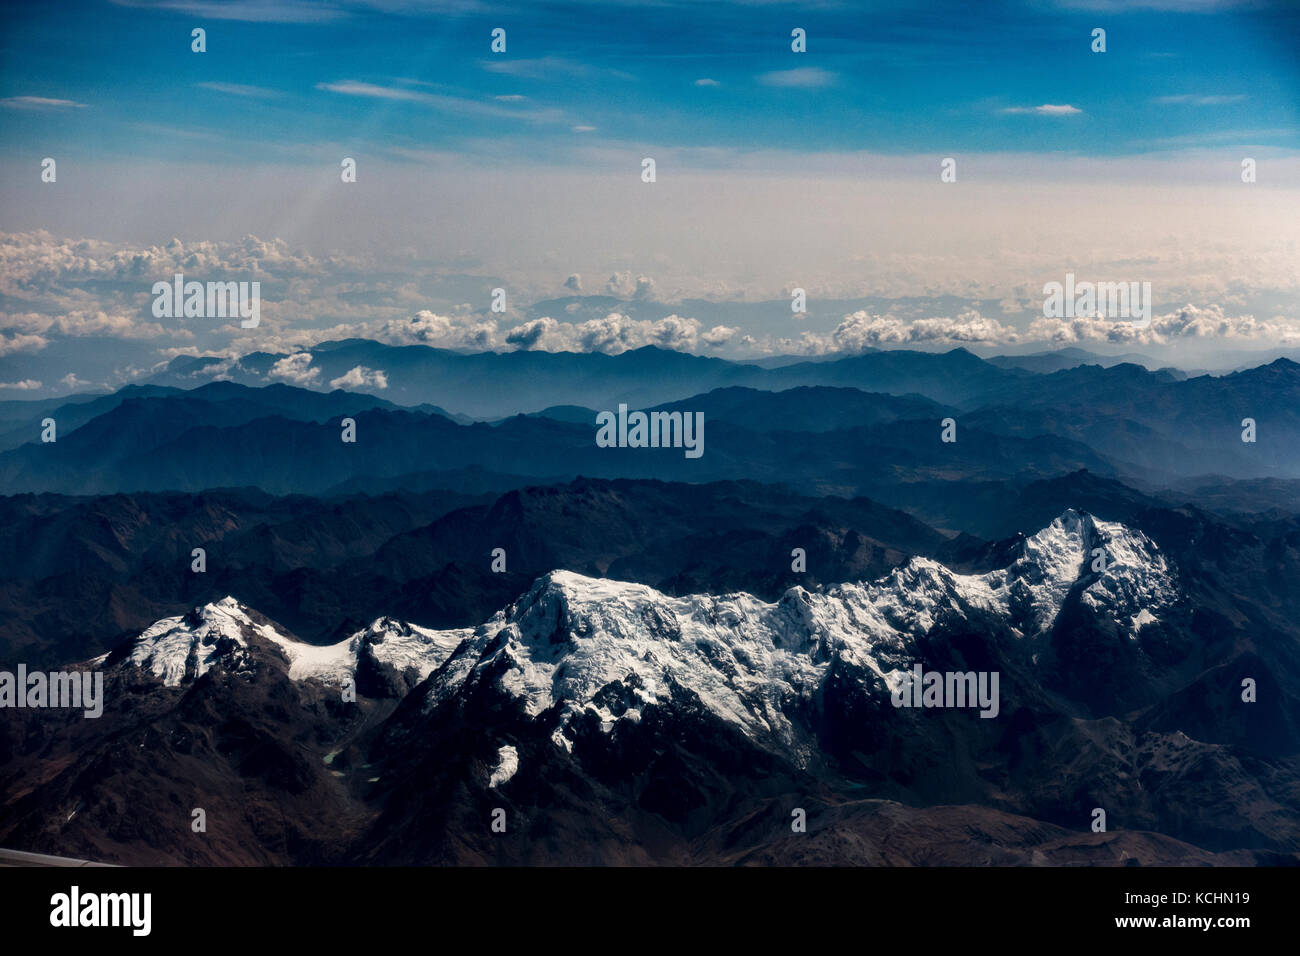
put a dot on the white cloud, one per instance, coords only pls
(251, 11)
(26, 385)
(239, 89)
(295, 369)
(623, 285)
(354, 88)
(77, 322)
(672, 332)
(613, 334)
(222, 371)
(1243, 286)
(71, 381)
(549, 67)
(1127, 6)
(532, 334)
(1047, 109)
(440, 101)
(705, 81)
(719, 335)
(1191, 99)
(39, 103)
(22, 342)
(440, 331)
(863, 330)
(56, 286)
(802, 78)
(359, 377)
(1189, 322)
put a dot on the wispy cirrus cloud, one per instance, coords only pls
(240, 89)
(1170, 6)
(439, 101)
(802, 78)
(1192, 99)
(250, 11)
(39, 103)
(549, 67)
(1047, 109)
(375, 91)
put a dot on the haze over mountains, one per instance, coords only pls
(849, 426)
(532, 380)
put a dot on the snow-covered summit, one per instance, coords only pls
(186, 647)
(571, 638)
(175, 649)
(585, 645)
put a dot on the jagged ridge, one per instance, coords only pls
(570, 637)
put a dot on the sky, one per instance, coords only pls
(522, 170)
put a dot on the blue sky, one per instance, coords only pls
(776, 170)
(886, 77)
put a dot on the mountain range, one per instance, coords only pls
(359, 651)
(613, 723)
(1153, 429)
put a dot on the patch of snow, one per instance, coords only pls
(1142, 618)
(507, 764)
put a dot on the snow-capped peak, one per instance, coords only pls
(1116, 566)
(610, 648)
(189, 645)
(175, 649)
(571, 636)
(592, 646)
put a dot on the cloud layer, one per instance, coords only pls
(58, 292)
